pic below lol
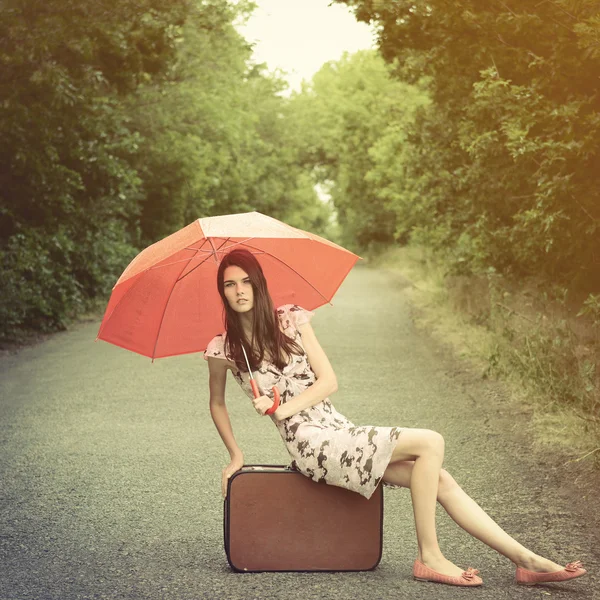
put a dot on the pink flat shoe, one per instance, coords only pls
(572, 570)
(469, 577)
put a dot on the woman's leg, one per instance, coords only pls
(471, 517)
(426, 449)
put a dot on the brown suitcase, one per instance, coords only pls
(277, 519)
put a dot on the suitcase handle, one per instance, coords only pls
(275, 394)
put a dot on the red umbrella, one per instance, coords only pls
(166, 301)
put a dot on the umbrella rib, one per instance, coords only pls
(141, 274)
(200, 264)
(259, 251)
(165, 310)
(292, 268)
(170, 264)
(180, 277)
(196, 250)
(213, 253)
(119, 302)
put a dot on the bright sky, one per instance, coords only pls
(298, 36)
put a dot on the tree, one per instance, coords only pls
(347, 109)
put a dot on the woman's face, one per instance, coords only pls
(237, 288)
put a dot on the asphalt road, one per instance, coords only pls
(110, 467)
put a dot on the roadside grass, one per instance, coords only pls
(523, 333)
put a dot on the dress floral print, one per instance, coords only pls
(323, 444)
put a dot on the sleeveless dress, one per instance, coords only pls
(323, 444)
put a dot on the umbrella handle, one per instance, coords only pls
(275, 399)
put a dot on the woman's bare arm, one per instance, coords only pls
(325, 384)
(217, 378)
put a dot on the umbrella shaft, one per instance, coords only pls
(246, 357)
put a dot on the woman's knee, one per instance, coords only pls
(418, 442)
(435, 442)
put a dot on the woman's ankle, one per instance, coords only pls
(524, 558)
(426, 556)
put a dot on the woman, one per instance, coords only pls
(283, 350)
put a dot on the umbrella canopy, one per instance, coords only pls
(166, 301)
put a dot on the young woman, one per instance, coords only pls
(283, 351)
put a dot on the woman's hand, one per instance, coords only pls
(262, 404)
(237, 462)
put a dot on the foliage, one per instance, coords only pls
(348, 112)
(121, 123)
(68, 190)
(501, 170)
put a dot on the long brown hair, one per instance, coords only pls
(266, 333)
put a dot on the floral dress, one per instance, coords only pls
(323, 444)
